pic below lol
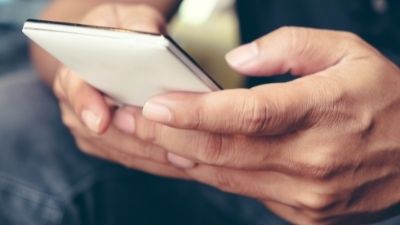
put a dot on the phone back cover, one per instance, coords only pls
(129, 67)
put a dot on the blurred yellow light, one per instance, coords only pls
(196, 12)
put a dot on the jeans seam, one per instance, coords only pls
(12, 182)
(26, 192)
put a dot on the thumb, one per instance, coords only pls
(269, 109)
(299, 51)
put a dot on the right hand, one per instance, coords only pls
(97, 128)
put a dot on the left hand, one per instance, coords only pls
(322, 149)
(92, 120)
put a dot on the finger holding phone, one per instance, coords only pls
(312, 150)
(93, 120)
(323, 149)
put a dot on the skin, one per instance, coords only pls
(323, 149)
(76, 97)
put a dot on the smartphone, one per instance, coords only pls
(128, 66)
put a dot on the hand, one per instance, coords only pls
(87, 114)
(322, 149)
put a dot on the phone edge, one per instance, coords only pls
(173, 47)
(181, 54)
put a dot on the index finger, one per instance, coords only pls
(88, 103)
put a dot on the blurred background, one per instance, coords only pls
(208, 32)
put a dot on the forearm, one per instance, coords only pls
(73, 11)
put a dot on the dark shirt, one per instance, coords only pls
(376, 21)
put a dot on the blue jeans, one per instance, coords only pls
(45, 179)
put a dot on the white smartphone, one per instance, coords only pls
(128, 66)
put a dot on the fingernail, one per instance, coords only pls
(157, 112)
(91, 120)
(180, 162)
(124, 121)
(242, 55)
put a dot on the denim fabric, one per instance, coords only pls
(13, 47)
(45, 179)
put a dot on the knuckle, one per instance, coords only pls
(351, 37)
(60, 83)
(78, 96)
(287, 30)
(365, 124)
(225, 182)
(150, 152)
(151, 134)
(74, 89)
(318, 203)
(65, 118)
(317, 166)
(351, 40)
(84, 146)
(147, 136)
(298, 43)
(122, 158)
(197, 120)
(68, 120)
(212, 150)
(146, 151)
(293, 35)
(128, 162)
(58, 91)
(255, 117)
(356, 47)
